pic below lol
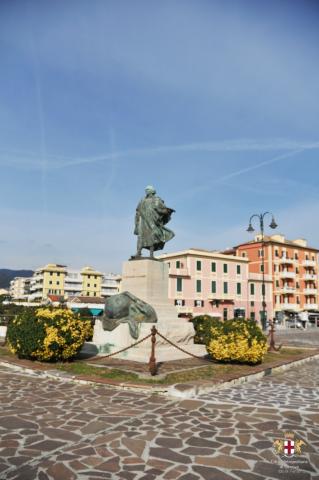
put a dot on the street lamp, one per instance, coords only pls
(250, 229)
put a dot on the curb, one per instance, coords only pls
(186, 391)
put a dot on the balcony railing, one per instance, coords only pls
(311, 306)
(179, 272)
(287, 261)
(310, 291)
(183, 309)
(221, 296)
(288, 289)
(287, 274)
(287, 306)
(309, 263)
(309, 276)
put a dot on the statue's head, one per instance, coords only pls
(150, 190)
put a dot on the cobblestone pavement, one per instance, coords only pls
(63, 431)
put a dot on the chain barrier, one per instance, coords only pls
(183, 350)
(122, 350)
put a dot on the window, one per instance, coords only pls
(89, 285)
(225, 287)
(277, 283)
(88, 294)
(213, 286)
(243, 254)
(276, 269)
(89, 276)
(178, 264)
(297, 270)
(261, 268)
(58, 274)
(199, 303)
(198, 286)
(263, 289)
(179, 302)
(225, 313)
(51, 273)
(276, 253)
(225, 268)
(213, 267)
(50, 282)
(296, 256)
(252, 303)
(198, 265)
(260, 252)
(252, 289)
(297, 285)
(238, 269)
(95, 285)
(179, 284)
(298, 300)
(252, 316)
(238, 288)
(94, 294)
(58, 283)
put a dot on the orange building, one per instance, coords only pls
(293, 267)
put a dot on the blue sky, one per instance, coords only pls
(215, 103)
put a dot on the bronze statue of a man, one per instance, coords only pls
(151, 216)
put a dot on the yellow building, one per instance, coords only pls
(61, 281)
(48, 280)
(91, 282)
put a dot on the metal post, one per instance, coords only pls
(272, 347)
(152, 362)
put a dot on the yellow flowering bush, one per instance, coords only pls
(237, 340)
(47, 334)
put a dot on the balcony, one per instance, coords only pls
(184, 309)
(309, 263)
(287, 274)
(310, 291)
(287, 306)
(287, 261)
(221, 296)
(179, 272)
(311, 306)
(309, 276)
(287, 289)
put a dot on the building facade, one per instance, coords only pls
(293, 268)
(20, 288)
(212, 283)
(58, 280)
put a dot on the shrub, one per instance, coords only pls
(202, 325)
(47, 334)
(237, 340)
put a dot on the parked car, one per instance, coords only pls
(294, 324)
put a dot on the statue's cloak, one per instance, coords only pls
(151, 216)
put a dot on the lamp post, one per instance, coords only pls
(250, 229)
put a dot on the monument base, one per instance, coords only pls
(147, 279)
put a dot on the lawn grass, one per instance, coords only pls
(215, 372)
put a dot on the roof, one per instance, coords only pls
(56, 298)
(279, 240)
(200, 252)
(85, 299)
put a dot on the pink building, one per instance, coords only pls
(212, 283)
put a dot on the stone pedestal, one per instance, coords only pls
(147, 279)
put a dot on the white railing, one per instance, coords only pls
(286, 274)
(311, 306)
(310, 291)
(309, 263)
(309, 276)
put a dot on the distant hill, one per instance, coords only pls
(7, 275)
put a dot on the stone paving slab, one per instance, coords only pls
(59, 431)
